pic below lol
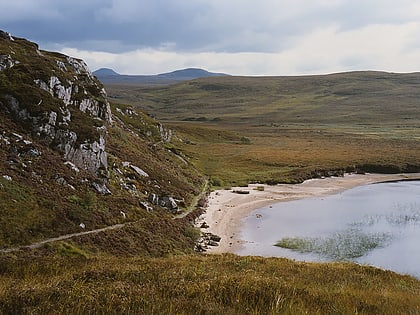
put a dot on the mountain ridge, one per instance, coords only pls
(109, 76)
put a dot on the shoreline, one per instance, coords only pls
(226, 209)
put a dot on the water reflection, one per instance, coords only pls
(375, 224)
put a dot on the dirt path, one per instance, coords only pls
(194, 202)
(62, 237)
(111, 227)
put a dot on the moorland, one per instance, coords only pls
(287, 129)
(233, 130)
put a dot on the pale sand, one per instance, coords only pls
(226, 209)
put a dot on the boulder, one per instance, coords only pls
(204, 225)
(146, 206)
(139, 171)
(154, 199)
(101, 188)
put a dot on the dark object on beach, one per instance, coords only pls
(241, 192)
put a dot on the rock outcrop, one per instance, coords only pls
(70, 109)
(67, 163)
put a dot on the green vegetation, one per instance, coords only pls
(357, 98)
(217, 284)
(287, 129)
(346, 245)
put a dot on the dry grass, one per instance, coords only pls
(201, 285)
(280, 154)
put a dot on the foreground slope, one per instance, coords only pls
(214, 284)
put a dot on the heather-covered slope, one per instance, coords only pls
(70, 162)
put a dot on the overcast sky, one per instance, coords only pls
(241, 37)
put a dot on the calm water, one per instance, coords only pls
(375, 224)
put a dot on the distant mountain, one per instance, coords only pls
(104, 72)
(109, 76)
(190, 74)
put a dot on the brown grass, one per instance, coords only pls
(201, 285)
(295, 127)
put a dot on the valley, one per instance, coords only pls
(286, 129)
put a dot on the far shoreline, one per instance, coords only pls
(226, 209)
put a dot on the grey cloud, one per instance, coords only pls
(185, 25)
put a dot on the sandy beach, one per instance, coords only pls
(227, 209)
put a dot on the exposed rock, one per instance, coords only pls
(139, 171)
(72, 166)
(17, 136)
(154, 199)
(165, 134)
(204, 225)
(61, 181)
(7, 177)
(6, 35)
(215, 237)
(101, 188)
(241, 192)
(168, 202)
(6, 62)
(89, 156)
(146, 206)
(212, 243)
(206, 240)
(136, 169)
(131, 188)
(165, 202)
(73, 88)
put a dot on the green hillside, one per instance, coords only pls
(363, 98)
(286, 129)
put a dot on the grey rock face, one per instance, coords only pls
(101, 188)
(91, 154)
(6, 62)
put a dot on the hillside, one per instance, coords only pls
(343, 98)
(287, 129)
(70, 161)
(109, 76)
(90, 193)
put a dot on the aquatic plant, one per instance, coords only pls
(341, 246)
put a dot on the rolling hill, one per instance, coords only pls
(282, 129)
(109, 76)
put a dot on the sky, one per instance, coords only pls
(238, 37)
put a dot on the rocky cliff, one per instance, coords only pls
(72, 161)
(50, 93)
